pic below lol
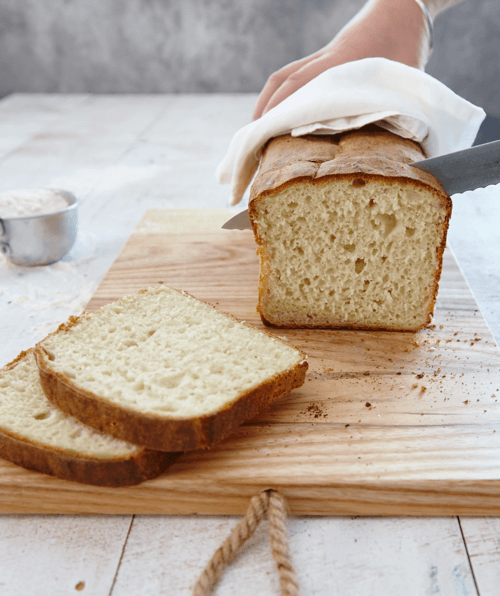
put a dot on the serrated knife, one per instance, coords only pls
(472, 168)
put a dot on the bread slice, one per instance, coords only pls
(349, 235)
(36, 435)
(165, 370)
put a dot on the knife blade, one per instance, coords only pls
(472, 168)
(241, 221)
(468, 169)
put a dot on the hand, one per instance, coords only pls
(393, 29)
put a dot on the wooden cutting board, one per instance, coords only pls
(386, 423)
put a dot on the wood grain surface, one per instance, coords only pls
(386, 423)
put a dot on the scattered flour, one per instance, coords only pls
(34, 301)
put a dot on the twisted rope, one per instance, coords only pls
(273, 503)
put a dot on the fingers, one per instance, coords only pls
(299, 78)
(275, 81)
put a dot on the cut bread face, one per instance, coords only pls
(349, 234)
(38, 436)
(165, 370)
(359, 252)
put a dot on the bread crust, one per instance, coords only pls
(367, 154)
(370, 151)
(120, 471)
(158, 432)
(145, 465)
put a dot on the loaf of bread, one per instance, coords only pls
(349, 235)
(165, 370)
(36, 435)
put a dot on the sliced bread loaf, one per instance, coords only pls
(165, 370)
(349, 235)
(36, 435)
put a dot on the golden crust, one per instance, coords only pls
(158, 432)
(372, 152)
(367, 154)
(135, 469)
(114, 472)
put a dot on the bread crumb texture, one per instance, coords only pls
(350, 252)
(166, 353)
(27, 414)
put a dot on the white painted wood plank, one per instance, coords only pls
(75, 151)
(15, 105)
(361, 556)
(482, 536)
(205, 115)
(23, 115)
(172, 165)
(60, 555)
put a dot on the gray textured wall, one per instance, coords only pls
(213, 45)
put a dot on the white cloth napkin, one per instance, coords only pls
(399, 98)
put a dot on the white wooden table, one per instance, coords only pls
(122, 155)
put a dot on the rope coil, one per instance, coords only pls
(273, 503)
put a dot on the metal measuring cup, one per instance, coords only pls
(40, 239)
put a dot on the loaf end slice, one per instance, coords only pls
(165, 370)
(349, 235)
(36, 435)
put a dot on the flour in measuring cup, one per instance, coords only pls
(25, 202)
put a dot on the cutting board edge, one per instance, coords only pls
(393, 499)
